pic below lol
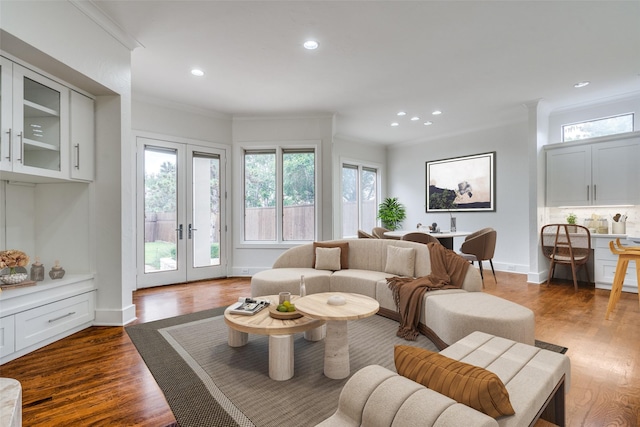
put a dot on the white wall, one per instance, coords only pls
(407, 181)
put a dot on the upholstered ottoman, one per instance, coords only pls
(454, 316)
(536, 381)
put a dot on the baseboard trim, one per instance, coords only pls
(110, 317)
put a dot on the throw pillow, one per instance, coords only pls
(468, 384)
(328, 258)
(344, 252)
(400, 261)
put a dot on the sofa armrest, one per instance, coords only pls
(298, 256)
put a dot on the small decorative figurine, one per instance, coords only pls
(56, 272)
(37, 271)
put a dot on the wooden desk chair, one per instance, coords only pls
(566, 244)
(625, 254)
(378, 232)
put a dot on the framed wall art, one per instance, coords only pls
(462, 184)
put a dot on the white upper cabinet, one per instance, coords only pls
(601, 171)
(82, 137)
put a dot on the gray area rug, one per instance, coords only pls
(207, 383)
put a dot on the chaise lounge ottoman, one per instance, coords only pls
(536, 381)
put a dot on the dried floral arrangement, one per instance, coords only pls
(13, 258)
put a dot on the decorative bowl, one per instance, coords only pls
(13, 279)
(283, 315)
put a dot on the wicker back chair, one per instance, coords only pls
(566, 244)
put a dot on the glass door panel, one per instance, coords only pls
(161, 230)
(205, 228)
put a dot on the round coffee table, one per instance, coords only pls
(336, 345)
(280, 334)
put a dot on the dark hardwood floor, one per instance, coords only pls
(96, 377)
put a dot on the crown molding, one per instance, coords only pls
(106, 23)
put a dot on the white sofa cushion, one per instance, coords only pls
(328, 259)
(400, 261)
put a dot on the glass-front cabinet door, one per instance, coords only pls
(36, 131)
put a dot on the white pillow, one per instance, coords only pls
(328, 258)
(400, 261)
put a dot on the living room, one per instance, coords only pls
(101, 65)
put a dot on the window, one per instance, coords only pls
(359, 199)
(280, 183)
(598, 127)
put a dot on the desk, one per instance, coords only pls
(445, 237)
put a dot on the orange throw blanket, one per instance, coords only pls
(448, 271)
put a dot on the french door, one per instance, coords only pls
(180, 212)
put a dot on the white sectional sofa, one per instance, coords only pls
(445, 318)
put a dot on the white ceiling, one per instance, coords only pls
(477, 61)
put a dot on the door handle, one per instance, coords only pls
(191, 229)
(595, 193)
(10, 144)
(179, 230)
(77, 147)
(21, 148)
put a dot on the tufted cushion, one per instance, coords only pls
(400, 261)
(468, 384)
(344, 252)
(328, 259)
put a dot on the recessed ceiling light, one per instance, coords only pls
(414, 118)
(437, 112)
(395, 124)
(427, 123)
(402, 113)
(196, 72)
(311, 44)
(581, 84)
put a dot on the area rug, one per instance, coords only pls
(208, 383)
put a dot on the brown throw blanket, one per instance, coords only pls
(448, 271)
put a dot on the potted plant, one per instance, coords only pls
(391, 213)
(571, 219)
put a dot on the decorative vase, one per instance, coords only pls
(13, 276)
(56, 271)
(37, 271)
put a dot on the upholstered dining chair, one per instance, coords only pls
(378, 232)
(416, 236)
(480, 246)
(566, 244)
(364, 235)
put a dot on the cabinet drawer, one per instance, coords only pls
(7, 335)
(38, 324)
(607, 270)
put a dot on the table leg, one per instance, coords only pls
(237, 338)
(316, 334)
(447, 242)
(336, 350)
(280, 357)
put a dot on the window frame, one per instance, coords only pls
(280, 148)
(360, 166)
(563, 126)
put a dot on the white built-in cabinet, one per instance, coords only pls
(46, 192)
(595, 172)
(47, 128)
(605, 263)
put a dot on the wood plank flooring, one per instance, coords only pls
(96, 377)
